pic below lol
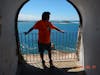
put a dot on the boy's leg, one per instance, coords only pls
(41, 51)
(42, 56)
(50, 60)
(49, 55)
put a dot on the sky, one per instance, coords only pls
(59, 9)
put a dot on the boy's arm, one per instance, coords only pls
(59, 30)
(36, 26)
(28, 31)
(54, 27)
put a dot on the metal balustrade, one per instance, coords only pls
(64, 47)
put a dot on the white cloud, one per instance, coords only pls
(73, 18)
(26, 17)
(64, 18)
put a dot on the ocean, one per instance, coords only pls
(66, 42)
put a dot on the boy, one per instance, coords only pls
(44, 43)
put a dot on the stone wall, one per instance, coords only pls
(8, 56)
(90, 12)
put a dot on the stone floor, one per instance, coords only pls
(26, 69)
(64, 64)
(61, 64)
(60, 60)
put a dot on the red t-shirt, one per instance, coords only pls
(44, 28)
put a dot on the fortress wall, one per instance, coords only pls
(8, 56)
(90, 12)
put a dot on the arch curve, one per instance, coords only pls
(80, 49)
(20, 58)
(80, 16)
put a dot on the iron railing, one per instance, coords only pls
(64, 46)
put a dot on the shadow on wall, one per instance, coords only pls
(26, 69)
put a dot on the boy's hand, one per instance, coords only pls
(25, 33)
(62, 31)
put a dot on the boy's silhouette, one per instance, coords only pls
(44, 43)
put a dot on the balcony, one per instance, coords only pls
(64, 49)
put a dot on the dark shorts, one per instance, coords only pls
(43, 47)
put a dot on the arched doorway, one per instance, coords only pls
(46, 56)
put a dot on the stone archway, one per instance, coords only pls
(89, 11)
(20, 57)
(80, 47)
(8, 40)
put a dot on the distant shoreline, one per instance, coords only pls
(60, 22)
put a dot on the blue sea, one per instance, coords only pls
(66, 42)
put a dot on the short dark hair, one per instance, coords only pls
(45, 15)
